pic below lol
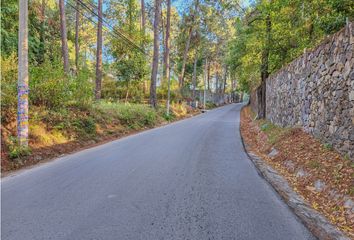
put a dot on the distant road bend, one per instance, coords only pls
(187, 180)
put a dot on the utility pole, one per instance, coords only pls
(22, 87)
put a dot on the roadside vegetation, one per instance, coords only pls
(63, 130)
(314, 170)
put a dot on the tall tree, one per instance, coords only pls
(77, 25)
(264, 70)
(99, 53)
(208, 75)
(155, 60)
(188, 42)
(143, 26)
(64, 40)
(194, 77)
(22, 117)
(42, 33)
(143, 21)
(167, 42)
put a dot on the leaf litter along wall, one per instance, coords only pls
(316, 92)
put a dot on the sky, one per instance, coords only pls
(181, 4)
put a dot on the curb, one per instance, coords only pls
(312, 219)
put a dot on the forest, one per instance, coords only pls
(70, 67)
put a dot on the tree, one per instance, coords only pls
(42, 33)
(155, 60)
(186, 49)
(77, 24)
(167, 42)
(143, 22)
(22, 117)
(194, 77)
(99, 53)
(63, 33)
(264, 71)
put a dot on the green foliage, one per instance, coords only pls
(86, 125)
(273, 132)
(328, 146)
(210, 105)
(49, 87)
(135, 116)
(8, 87)
(295, 25)
(15, 150)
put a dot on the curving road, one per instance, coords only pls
(188, 180)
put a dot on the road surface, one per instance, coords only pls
(188, 180)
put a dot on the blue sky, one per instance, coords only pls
(179, 4)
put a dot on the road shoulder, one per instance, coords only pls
(319, 225)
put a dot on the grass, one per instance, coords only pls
(52, 128)
(273, 132)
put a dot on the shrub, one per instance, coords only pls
(131, 115)
(15, 150)
(8, 87)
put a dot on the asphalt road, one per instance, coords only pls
(188, 180)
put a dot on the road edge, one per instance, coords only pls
(312, 219)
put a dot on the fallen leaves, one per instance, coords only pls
(311, 162)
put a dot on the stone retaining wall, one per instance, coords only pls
(316, 91)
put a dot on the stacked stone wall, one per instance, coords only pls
(316, 92)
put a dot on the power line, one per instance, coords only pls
(114, 32)
(107, 28)
(117, 31)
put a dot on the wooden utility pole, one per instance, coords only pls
(63, 33)
(99, 53)
(22, 107)
(155, 60)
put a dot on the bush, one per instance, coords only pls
(8, 88)
(15, 150)
(48, 87)
(132, 115)
(210, 105)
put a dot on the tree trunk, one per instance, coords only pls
(99, 53)
(22, 108)
(224, 80)
(194, 78)
(143, 23)
(208, 76)
(162, 68)
(167, 42)
(155, 60)
(77, 25)
(127, 93)
(264, 71)
(41, 34)
(64, 41)
(185, 54)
